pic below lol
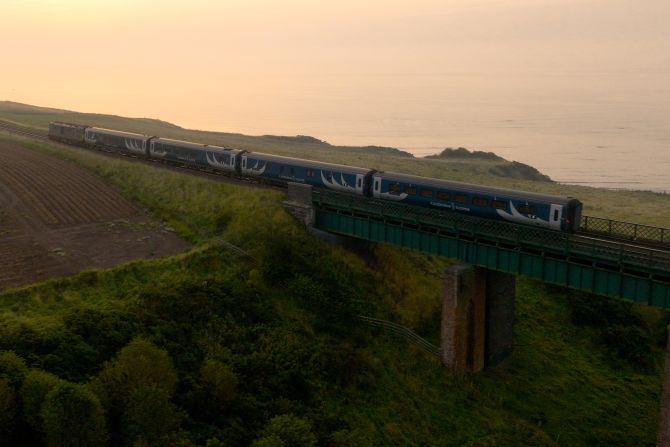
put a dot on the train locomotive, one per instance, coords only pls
(526, 208)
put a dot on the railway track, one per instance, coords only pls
(593, 228)
(24, 131)
(163, 164)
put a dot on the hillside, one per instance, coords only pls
(635, 206)
(265, 348)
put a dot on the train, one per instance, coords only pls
(527, 208)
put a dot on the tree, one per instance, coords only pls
(12, 368)
(140, 364)
(73, 416)
(219, 381)
(149, 417)
(291, 430)
(8, 410)
(36, 386)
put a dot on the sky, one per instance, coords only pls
(183, 60)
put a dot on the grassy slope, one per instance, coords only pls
(558, 388)
(641, 207)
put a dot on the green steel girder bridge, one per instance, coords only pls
(610, 258)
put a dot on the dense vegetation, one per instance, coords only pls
(214, 348)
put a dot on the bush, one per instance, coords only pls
(622, 329)
(140, 364)
(269, 441)
(149, 417)
(8, 410)
(106, 332)
(73, 416)
(219, 381)
(72, 359)
(630, 343)
(34, 391)
(291, 430)
(12, 368)
(601, 312)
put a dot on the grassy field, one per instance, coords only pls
(561, 386)
(640, 207)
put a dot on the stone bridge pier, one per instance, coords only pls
(477, 318)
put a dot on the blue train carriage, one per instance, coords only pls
(195, 154)
(132, 143)
(541, 210)
(278, 169)
(66, 132)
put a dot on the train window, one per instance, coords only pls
(281, 168)
(394, 188)
(292, 172)
(443, 195)
(526, 209)
(376, 185)
(499, 204)
(427, 193)
(360, 182)
(411, 190)
(461, 198)
(480, 201)
(555, 215)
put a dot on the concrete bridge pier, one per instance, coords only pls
(477, 318)
(299, 203)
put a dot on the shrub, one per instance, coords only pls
(73, 416)
(291, 430)
(149, 416)
(219, 381)
(34, 391)
(72, 359)
(631, 343)
(8, 409)
(140, 364)
(600, 312)
(12, 368)
(106, 332)
(269, 441)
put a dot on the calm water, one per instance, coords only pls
(608, 129)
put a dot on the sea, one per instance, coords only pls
(602, 128)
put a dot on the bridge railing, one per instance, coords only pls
(486, 231)
(625, 230)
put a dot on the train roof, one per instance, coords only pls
(60, 123)
(471, 188)
(192, 145)
(118, 132)
(308, 163)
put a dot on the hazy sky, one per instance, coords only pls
(181, 60)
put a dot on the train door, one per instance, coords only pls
(376, 186)
(555, 216)
(360, 180)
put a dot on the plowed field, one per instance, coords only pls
(57, 219)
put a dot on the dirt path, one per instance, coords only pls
(57, 219)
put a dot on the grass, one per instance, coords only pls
(559, 387)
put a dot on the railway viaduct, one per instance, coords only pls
(611, 258)
(606, 257)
